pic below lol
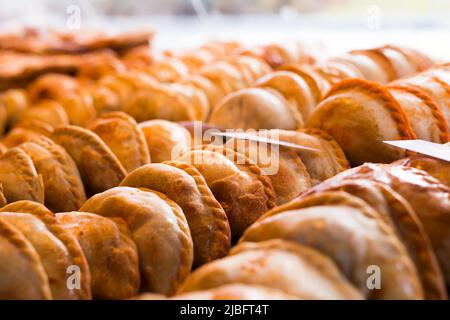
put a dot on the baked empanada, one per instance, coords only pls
(159, 229)
(275, 264)
(325, 163)
(63, 187)
(237, 183)
(53, 253)
(283, 166)
(350, 232)
(429, 198)
(25, 131)
(292, 87)
(183, 184)
(165, 139)
(15, 102)
(99, 167)
(439, 169)
(110, 251)
(47, 111)
(22, 275)
(19, 177)
(256, 108)
(399, 214)
(122, 135)
(360, 115)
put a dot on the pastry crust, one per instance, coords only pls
(19, 258)
(237, 183)
(352, 234)
(63, 187)
(439, 169)
(293, 87)
(425, 116)
(275, 264)
(47, 111)
(165, 139)
(110, 251)
(283, 166)
(159, 229)
(399, 214)
(360, 115)
(122, 135)
(2, 196)
(256, 108)
(329, 161)
(15, 102)
(183, 184)
(99, 167)
(429, 198)
(237, 292)
(19, 177)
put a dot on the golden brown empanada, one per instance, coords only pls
(159, 229)
(99, 167)
(322, 164)
(439, 169)
(165, 139)
(292, 87)
(25, 131)
(15, 102)
(350, 232)
(275, 264)
(2, 196)
(63, 187)
(256, 108)
(22, 275)
(122, 135)
(213, 92)
(424, 115)
(183, 184)
(110, 251)
(429, 198)
(360, 115)
(283, 166)
(19, 177)
(196, 98)
(47, 111)
(237, 183)
(399, 214)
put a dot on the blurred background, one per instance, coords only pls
(333, 26)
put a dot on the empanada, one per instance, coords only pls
(399, 214)
(122, 135)
(424, 115)
(63, 187)
(47, 111)
(22, 275)
(53, 253)
(19, 177)
(439, 169)
(237, 183)
(99, 167)
(429, 198)
(183, 184)
(292, 87)
(159, 229)
(283, 166)
(256, 108)
(165, 139)
(110, 251)
(275, 264)
(25, 131)
(351, 233)
(360, 115)
(15, 102)
(325, 163)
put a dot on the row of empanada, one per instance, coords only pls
(287, 98)
(376, 231)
